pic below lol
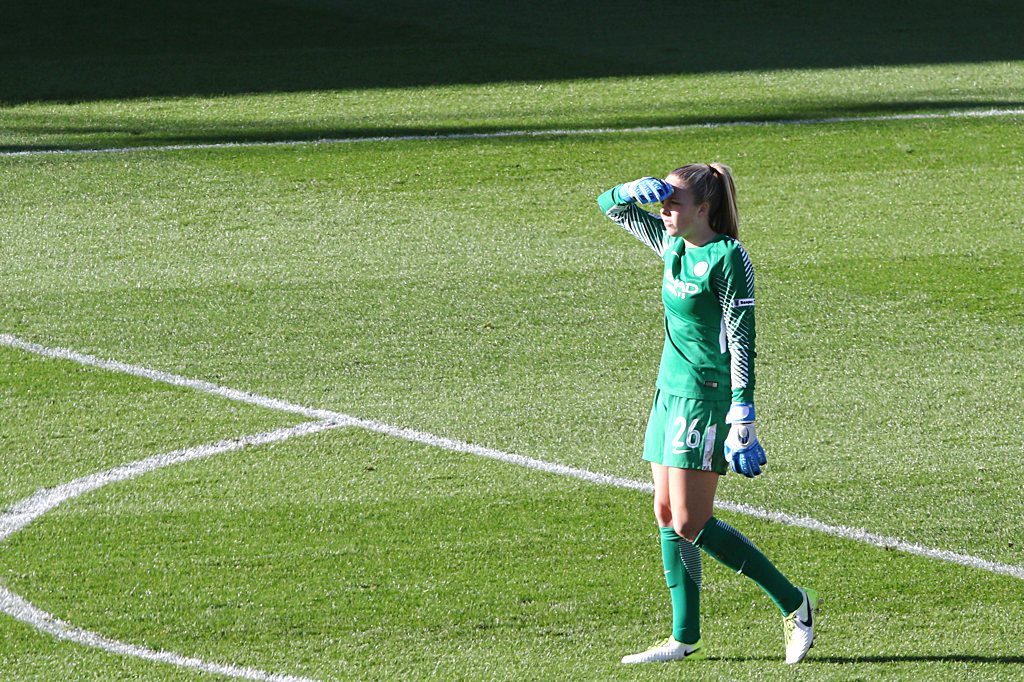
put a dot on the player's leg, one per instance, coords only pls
(692, 481)
(692, 493)
(691, 496)
(682, 564)
(677, 556)
(732, 548)
(675, 551)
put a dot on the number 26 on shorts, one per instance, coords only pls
(692, 438)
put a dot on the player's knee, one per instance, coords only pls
(688, 525)
(663, 513)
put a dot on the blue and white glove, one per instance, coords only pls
(646, 190)
(743, 452)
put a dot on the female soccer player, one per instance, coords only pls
(705, 391)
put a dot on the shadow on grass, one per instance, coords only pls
(125, 132)
(66, 50)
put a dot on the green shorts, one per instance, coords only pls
(686, 433)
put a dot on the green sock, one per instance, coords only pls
(729, 546)
(683, 575)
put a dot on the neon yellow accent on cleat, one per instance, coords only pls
(668, 649)
(799, 632)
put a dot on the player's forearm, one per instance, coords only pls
(743, 394)
(734, 286)
(741, 335)
(622, 209)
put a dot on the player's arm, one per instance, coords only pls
(620, 204)
(734, 286)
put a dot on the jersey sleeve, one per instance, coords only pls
(647, 227)
(733, 284)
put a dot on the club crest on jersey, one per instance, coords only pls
(679, 288)
(701, 268)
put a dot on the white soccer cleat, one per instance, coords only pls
(799, 627)
(668, 650)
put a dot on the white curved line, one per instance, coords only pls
(42, 501)
(24, 611)
(555, 132)
(26, 511)
(845, 532)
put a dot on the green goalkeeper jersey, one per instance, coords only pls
(708, 293)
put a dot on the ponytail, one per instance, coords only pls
(712, 183)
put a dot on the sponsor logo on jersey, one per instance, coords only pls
(743, 303)
(679, 288)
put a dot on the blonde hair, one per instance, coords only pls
(712, 183)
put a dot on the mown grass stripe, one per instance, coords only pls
(338, 419)
(874, 539)
(42, 501)
(555, 132)
(168, 378)
(26, 511)
(28, 613)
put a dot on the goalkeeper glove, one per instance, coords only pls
(743, 452)
(646, 190)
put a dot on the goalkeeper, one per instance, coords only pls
(702, 420)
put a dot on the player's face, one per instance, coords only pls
(679, 212)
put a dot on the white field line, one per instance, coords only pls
(556, 132)
(25, 611)
(26, 511)
(873, 539)
(31, 508)
(846, 532)
(166, 378)
(45, 500)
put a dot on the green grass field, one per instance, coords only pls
(471, 288)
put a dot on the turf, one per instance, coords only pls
(448, 307)
(63, 421)
(471, 288)
(439, 301)
(115, 49)
(348, 556)
(643, 100)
